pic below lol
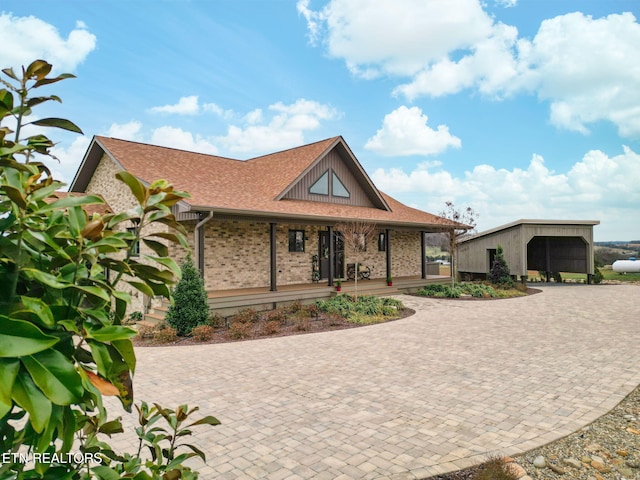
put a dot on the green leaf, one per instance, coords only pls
(73, 201)
(94, 292)
(38, 69)
(44, 277)
(40, 309)
(137, 188)
(125, 348)
(8, 371)
(208, 420)
(57, 123)
(101, 357)
(15, 194)
(47, 81)
(27, 395)
(55, 375)
(158, 247)
(106, 473)
(143, 287)
(19, 338)
(111, 333)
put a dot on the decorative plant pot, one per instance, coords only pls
(389, 284)
(338, 288)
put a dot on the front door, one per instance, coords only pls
(323, 254)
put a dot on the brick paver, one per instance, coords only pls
(421, 396)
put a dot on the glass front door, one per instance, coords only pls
(323, 254)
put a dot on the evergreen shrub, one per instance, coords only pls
(190, 307)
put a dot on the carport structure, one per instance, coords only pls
(544, 245)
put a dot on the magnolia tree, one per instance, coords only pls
(63, 344)
(466, 220)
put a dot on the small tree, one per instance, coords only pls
(500, 274)
(190, 307)
(356, 235)
(466, 221)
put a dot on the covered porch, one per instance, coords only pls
(228, 302)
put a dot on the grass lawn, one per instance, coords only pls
(608, 274)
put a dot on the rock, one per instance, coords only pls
(593, 448)
(633, 463)
(572, 462)
(602, 468)
(557, 469)
(539, 462)
(595, 458)
(515, 469)
(586, 459)
(622, 453)
(625, 472)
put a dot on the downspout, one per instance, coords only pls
(199, 243)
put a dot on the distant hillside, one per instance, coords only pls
(608, 252)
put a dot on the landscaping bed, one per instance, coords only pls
(475, 290)
(340, 312)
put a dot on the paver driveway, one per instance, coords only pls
(408, 399)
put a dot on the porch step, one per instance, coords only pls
(156, 314)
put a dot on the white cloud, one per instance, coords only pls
(177, 138)
(126, 131)
(285, 129)
(405, 132)
(598, 187)
(185, 106)
(69, 158)
(589, 69)
(31, 38)
(397, 37)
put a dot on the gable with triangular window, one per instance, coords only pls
(335, 178)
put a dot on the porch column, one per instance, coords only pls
(274, 266)
(387, 239)
(332, 254)
(423, 261)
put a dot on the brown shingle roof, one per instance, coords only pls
(251, 187)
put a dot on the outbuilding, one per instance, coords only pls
(543, 245)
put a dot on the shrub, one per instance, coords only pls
(312, 310)
(240, 330)
(246, 315)
(348, 307)
(165, 334)
(217, 321)
(302, 323)
(597, 276)
(134, 317)
(278, 315)
(146, 331)
(495, 468)
(272, 327)
(202, 333)
(190, 307)
(500, 274)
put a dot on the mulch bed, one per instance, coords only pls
(315, 325)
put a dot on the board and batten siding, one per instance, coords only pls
(358, 196)
(473, 256)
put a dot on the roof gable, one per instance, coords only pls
(341, 167)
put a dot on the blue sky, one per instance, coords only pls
(517, 108)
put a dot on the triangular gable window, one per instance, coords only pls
(337, 188)
(321, 187)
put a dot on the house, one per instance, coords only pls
(268, 223)
(543, 245)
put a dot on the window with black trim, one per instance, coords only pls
(296, 240)
(321, 187)
(337, 187)
(382, 242)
